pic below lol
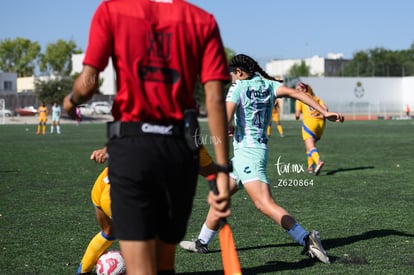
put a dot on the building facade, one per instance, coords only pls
(26, 84)
(318, 66)
(8, 82)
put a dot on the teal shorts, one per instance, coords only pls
(249, 164)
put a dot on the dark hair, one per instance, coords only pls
(248, 65)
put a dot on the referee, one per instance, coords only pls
(159, 49)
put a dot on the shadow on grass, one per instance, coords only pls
(274, 266)
(333, 172)
(332, 243)
(9, 171)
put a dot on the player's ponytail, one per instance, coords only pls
(249, 65)
(310, 90)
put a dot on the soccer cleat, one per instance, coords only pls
(310, 169)
(319, 167)
(196, 246)
(313, 247)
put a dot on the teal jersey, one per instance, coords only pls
(254, 99)
(56, 111)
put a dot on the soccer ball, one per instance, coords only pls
(111, 263)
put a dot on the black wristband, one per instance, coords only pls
(224, 168)
(72, 101)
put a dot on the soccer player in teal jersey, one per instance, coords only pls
(249, 106)
(56, 112)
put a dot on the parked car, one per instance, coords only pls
(6, 112)
(26, 111)
(86, 110)
(101, 107)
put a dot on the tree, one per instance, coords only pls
(229, 54)
(359, 66)
(57, 63)
(299, 70)
(57, 60)
(55, 89)
(19, 55)
(381, 62)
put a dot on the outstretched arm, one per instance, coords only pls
(284, 91)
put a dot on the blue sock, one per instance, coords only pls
(109, 238)
(298, 233)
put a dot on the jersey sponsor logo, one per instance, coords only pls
(157, 129)
(251, 94)
(247, 170)
(157, 68)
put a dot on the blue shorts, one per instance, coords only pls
(249, 164)
(313, 128)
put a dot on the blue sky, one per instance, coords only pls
(264, 29)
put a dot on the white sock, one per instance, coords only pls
(58, 129)
(206, 234)
(51, 129)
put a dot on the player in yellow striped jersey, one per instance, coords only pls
(276, 119)
(100, 196)
(42, 112)
(313, 127)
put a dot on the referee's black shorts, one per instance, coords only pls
(153, 181)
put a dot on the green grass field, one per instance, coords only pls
(362, 202)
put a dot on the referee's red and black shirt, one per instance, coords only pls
(158, 49)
